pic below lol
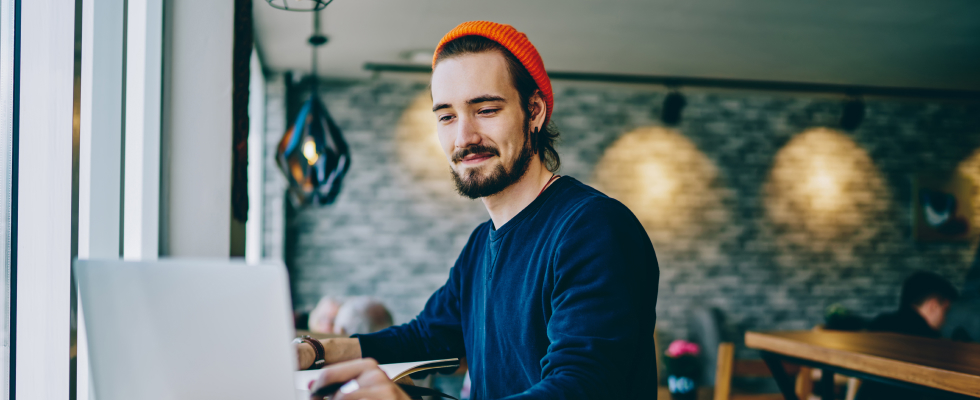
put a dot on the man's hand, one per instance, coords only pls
(372, 383)
(337, 350)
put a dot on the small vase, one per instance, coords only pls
(682, 387)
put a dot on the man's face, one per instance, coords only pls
(321, 318)
(934, 312)
(480, 123)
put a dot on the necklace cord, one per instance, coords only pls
(553, 177)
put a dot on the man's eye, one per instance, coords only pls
(488, 111)
(445, 118)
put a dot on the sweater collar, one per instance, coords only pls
(558, 184)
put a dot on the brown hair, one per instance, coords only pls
(543, 141)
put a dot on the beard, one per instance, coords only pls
(476, 185)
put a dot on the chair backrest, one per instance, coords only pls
(704, 327)
(723, 373)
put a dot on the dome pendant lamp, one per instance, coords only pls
(313, 153)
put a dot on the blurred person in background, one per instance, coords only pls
(963, 318)
(923, 305)
(361, 315)
(922, 309)
(322, 317)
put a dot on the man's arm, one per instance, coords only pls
(603, 308)
(337, 350)
(435, 333)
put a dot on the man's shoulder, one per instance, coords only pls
(579, 199)
(885, 322)
(572, 188)
(584, 213)
(906, 322)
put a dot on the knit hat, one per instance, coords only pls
(515, 42)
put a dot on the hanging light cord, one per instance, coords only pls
(315, 43)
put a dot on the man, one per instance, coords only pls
(554, 297)
(322, 316)
(962, 321)
(923, 304)
(925, 299)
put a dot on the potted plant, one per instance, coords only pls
(683, 369)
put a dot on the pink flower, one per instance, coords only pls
(680, 348)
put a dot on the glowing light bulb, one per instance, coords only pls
(309, 151)
(824, 185)
(658, 184)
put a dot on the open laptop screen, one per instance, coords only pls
(185, 329)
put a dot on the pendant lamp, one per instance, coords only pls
(299, 5)
(313, 153)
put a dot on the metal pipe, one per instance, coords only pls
(743, 84)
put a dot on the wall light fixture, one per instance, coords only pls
(672, 108)
(852, 114)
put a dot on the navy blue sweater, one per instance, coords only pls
(559, 303)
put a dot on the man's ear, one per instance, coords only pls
(538, 110)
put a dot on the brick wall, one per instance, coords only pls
(733, 227)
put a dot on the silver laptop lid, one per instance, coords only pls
(185, 329)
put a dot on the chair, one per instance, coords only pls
(728, 367)
(807, 375)
(705, 327)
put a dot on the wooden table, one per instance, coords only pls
(939, 367)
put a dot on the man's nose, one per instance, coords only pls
(467, 134)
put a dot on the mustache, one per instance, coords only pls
(474, 149)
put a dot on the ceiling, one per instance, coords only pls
(904, 43)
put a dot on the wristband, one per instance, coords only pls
(318, 349)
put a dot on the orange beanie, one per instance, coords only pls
(514, 41)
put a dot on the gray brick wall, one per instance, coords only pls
(397, 227)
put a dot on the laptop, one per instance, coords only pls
(185, 329)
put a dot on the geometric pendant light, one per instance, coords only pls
(313, 153)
